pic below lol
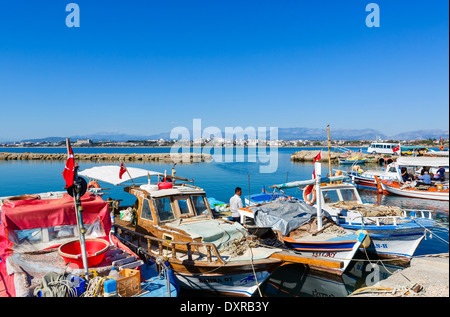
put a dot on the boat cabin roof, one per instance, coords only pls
(152, 191)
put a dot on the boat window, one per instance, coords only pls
(41, 238)
(330, 196)
(348, 194)
(199, 205)
(164, 209)
(392, 170)
(183, 205)
(146, 212)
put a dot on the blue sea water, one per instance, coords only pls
(219, 179)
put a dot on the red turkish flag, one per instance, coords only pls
(397, 148)
(69, 169)
(316, 158)
(123, 169)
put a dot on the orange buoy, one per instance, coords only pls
(93, 184)
(306, 196)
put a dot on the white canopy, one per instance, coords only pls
(309, 182)
(422, 161)
(110, 173)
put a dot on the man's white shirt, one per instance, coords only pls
(235, 204)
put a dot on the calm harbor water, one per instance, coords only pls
(219, 180)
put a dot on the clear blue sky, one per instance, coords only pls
(145, 66)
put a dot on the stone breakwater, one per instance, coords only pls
(107, 157)
(308, 156)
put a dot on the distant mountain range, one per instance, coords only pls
(283, 134)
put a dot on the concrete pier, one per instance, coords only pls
(308, 156)
(425, 277)
(110, 157)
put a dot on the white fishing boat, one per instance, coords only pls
(306, 229)
(439, 192)
(393, 232)
(393, 171)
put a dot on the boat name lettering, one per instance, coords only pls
(324, 254)
(381, 246)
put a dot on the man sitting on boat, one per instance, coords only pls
(405, 175)
(426, 179)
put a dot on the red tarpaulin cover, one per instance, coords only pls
(43, 213)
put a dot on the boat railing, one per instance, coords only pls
(414, 213)
(383, 220)
(175, 247)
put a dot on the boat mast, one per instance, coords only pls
(329, 152)
(318, 169)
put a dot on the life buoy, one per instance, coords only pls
(93, 184)
(439, 187)
(313, 199)
(441, 148)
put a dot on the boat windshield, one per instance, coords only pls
(330, 196)
(164, 209)
(348, 195)
(200, 205)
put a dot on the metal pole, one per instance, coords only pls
(79, 209)
(329, 152)
(318, 170)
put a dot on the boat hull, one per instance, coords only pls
(399, 242)
(342, 249)
(415, 193)
(242, 282)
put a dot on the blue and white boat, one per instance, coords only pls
(302, 227)
(265, 197)
(393, 232)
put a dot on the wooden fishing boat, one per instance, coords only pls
(393, 232)
(424, 192)
(40, 251)
(174, 221)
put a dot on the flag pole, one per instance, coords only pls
(329, 152)
(79, 210)
(128, 174)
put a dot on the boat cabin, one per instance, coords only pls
(333, 193)
(160, 211)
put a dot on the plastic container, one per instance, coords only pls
(114, 273)
(165, 185)
(95, 251)
(110, 288)
(79, 284)
(129, 283)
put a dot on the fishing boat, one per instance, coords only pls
(41, 256)
(392, 172)
(266, 197)
(434, 192)
(393, 232)
(302, 227)
(352, 161)
(174, 221)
